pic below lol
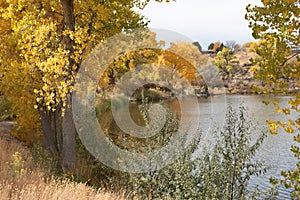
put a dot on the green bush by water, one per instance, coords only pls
(221, 173)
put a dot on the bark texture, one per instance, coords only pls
(48, 132)
(69, 139)
(68, 127)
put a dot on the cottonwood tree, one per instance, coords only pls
(276, 24)
(42, 48)
(180, 60)
(226, 62)
(183, 57)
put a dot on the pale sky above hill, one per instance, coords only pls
(204, 21)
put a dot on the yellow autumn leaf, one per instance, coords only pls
(278, 109)
(289, 130)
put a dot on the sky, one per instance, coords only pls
(204, 21)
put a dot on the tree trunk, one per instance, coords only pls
(58, 127)
(69, 142)
(69, 19)
(68, 127)
(48, 132)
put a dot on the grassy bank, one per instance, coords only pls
(20, 178)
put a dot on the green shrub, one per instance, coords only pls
(222, 173)
(225, 172)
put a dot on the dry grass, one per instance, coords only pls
(21, 179)
(63, 190)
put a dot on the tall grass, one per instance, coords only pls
(21, 179)
(64, 190)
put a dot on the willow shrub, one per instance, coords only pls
(223, 172)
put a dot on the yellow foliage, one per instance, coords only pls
(35, 67)
(181, 57)
(184, 58)
(278, 109)
(273, 127)
(253, 68)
